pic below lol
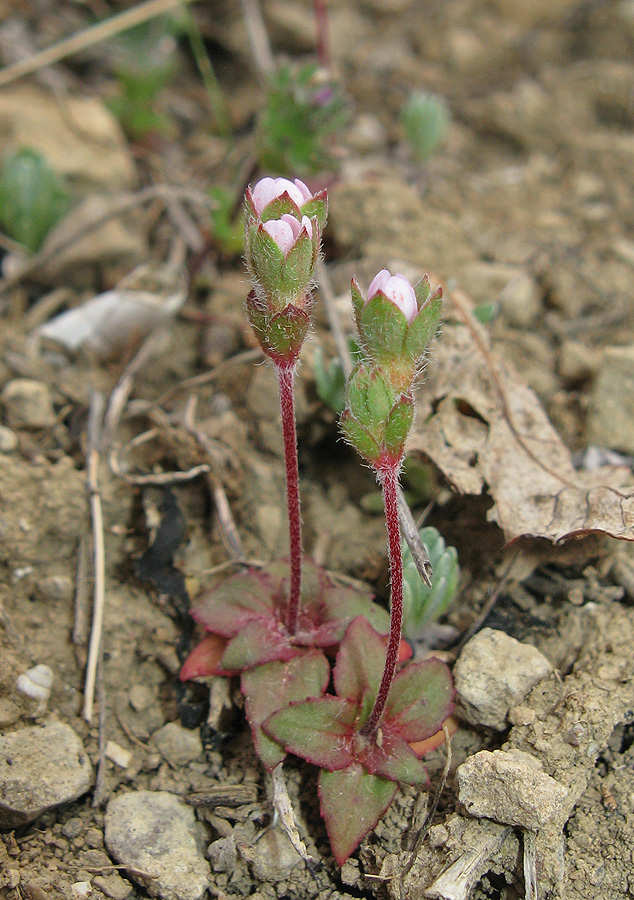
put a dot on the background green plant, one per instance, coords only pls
(32, 197)
(425, 118)
(422, 604)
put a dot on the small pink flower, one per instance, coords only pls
(397, 289)
(268, 189)
(286, 230)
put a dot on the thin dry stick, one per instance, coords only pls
(228, 529)
(118, 207)
(92, 466)
(406, 520)
(123, 387)
(101, 765)
(80, 625)
(258, 37)
(420, 837)
(88, 37)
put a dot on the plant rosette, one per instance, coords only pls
(246, 616)
(359, 772)
(396, 323)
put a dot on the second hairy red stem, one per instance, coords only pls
(285, 377)
(389, 482)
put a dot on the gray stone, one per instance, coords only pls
(509, 787)
(178, 745)
(273, 856)
(8, 440)
(55, 588)
(577, 362)
(493, 673)
(39, 769)
(27, 404)
(113, 886)
(154, 832)
(611, 413)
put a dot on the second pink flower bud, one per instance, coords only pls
(286, 230)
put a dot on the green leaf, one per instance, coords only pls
(423, 328)
(420, 699)
(382, 328)
(352, 802)
(285, 332)
(319, 731)
(273, 686)
(360, 661)
(393, 758)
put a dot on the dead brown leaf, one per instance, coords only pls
(486, 430)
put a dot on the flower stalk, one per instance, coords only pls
(286, 378)
(389, 484)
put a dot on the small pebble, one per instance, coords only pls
(178, 745)
(81, 889)
(27, 404)
(118, 754)
(8, 440)
(36, 683)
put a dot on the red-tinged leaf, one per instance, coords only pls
(319, 731)
(258, 642)
(240, 599)
(420, 699)
(390, 756)
(360, 661)
(344, 603)
(273, 686)
(352, 802)
(205, 658)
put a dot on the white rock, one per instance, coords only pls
(39, 769)
(36, 683)
(509, 787)
(156, 833)
(493, 673)
(81, 889)
(118, 754)
(27, 404)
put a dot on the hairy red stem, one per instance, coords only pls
(389, 483)
(285, 377)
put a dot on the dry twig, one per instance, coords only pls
(92, 467)
(143, 12)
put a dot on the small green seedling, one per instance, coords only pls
(302, 109)
(145, 63)
(425, 119)
(32, 198)
(422, 604)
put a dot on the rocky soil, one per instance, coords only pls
(139, 786)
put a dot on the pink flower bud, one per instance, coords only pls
(397, 289)
(286, 230)
(268, 189)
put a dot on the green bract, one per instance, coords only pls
(377, 418)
